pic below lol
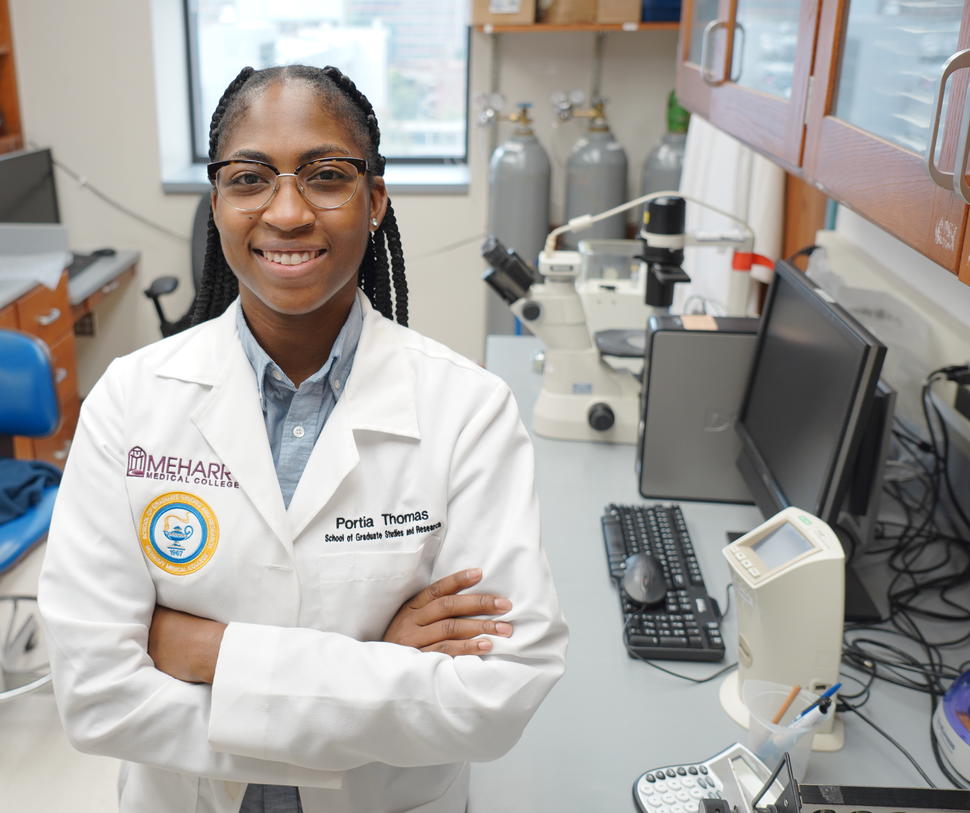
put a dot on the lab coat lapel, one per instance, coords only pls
(230, 418)
(378, 396)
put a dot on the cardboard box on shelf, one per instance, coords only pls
(503, 12)
(618, 11)
(565, 12)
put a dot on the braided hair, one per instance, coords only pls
(381, 271)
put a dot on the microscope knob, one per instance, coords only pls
(531, 311)
(600, 417)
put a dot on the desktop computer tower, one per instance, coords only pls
(695, 372)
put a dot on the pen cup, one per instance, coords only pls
(769, 741)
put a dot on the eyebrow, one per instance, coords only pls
(320, 151)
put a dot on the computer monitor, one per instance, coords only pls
(814, 421)
(27, 190)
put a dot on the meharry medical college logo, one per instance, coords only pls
(179, 533)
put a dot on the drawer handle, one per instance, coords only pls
(60, 374)
(49, 318)
(61, 454)
(111, 286)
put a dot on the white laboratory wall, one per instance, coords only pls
(87, 89)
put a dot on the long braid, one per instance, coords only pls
(382, 280)
(382, 267)
(397, 265)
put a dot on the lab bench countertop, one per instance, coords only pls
(88, 282)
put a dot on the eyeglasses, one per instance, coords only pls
(326, 183)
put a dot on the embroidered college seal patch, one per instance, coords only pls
(179, 533)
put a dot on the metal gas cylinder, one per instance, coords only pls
(519, 175)
(596, 180)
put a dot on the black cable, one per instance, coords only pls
(902, 750)
(717, 674)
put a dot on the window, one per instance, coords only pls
(410, 58)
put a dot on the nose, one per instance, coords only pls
(288, 210)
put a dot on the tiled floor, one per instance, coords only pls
(39, 770)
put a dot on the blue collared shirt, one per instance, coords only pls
(295, 415)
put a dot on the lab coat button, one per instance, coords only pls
(277, 375)
(298, 431)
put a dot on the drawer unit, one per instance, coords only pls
(46, 313)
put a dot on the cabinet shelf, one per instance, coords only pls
(537, 27)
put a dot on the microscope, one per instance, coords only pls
(583, 397)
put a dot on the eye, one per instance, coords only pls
(330, 173)
(247, 179)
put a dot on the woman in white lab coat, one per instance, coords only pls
(295, 560)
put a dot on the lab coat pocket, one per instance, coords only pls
(360, 591)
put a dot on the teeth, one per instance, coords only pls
(290, 257)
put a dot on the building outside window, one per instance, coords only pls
(409, 57)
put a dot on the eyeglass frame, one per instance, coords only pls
(359, 163)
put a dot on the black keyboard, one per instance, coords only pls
(684, 626)
(79, 262)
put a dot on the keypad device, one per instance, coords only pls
(734, 775)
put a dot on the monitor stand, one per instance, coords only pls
(859, 605)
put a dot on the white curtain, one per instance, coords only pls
(720, 170)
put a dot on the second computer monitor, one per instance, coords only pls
(27, 190)
(809, 400)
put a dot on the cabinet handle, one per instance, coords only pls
(739, 50)
(60, 374)
(61, 454)
(709, 30)
(48, 318)
(960, 60)
(960, 185)
(111, 286)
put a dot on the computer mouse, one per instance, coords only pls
(643, 579)
(104, 252)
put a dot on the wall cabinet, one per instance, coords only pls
(847, 95)
(11, 137)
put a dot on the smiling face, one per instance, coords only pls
(290, 258)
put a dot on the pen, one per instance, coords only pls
(827, 693)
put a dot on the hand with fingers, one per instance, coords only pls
(438, 618)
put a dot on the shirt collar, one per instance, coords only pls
(337, 365)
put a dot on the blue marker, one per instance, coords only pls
(827, 693)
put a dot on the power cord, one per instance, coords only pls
(902, 750)
(928, 555)
(84, 183)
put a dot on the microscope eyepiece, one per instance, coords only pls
(509, 276)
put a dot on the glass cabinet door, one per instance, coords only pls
(765, 46)
(701, 54)
(771, 44)
(878, 71)
(889, 68)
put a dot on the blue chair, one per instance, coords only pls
(28, 407)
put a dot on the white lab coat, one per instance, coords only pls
(304, 693)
